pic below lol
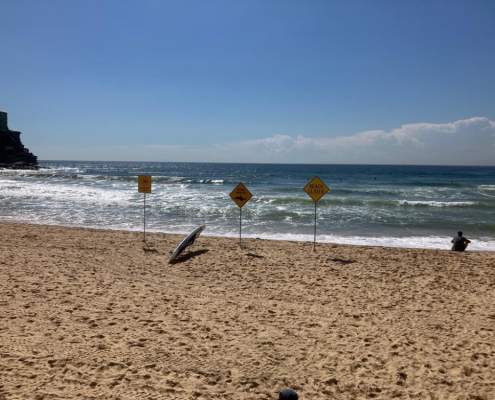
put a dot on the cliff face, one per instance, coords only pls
(13, 154)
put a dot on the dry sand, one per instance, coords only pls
(89, 314)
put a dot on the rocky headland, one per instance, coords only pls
(13, 154)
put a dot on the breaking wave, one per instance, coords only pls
(418, 203)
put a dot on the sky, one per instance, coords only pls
(388, 82)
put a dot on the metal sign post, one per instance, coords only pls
(314, 238)
(240, 195)
(144, 186)
(316, 189)
(144, 218)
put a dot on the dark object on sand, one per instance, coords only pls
(342, 261)
(13, 154)
(287, 394)
(186, 242)
(459, 243)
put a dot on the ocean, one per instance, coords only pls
(400, 206)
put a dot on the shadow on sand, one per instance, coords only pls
(342, 261)
(187, 256)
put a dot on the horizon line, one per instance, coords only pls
(277, 163)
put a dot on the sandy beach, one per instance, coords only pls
(91, 314)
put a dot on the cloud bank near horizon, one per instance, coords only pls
(464, 142)
(467, 141)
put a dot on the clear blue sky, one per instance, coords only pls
(104, 79)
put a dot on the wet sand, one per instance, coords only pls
(90, 314)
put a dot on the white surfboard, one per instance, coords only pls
(186, 242)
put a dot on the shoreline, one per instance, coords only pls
(392, 242)
(88, 313)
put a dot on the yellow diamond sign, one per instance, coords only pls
(144, 184)
(316, 188)
(240, 195)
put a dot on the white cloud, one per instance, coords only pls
(468, 141)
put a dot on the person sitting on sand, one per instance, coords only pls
(460, 242)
